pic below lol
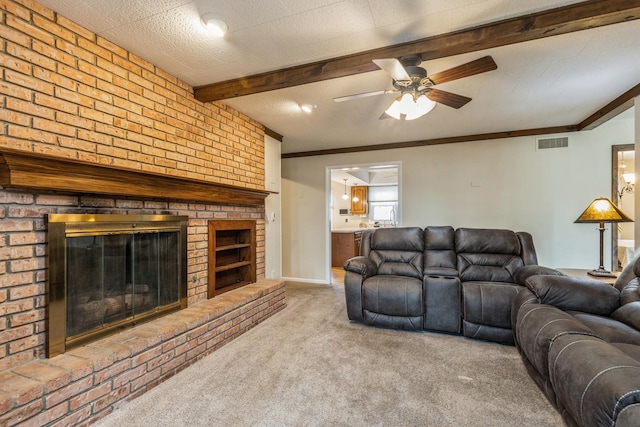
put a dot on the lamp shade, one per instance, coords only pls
(629, 178)
(603, 210)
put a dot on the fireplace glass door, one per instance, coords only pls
(108, 272)
(113, 277)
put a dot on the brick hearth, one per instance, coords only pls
(88, 382)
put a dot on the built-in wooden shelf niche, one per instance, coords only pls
(232, 255)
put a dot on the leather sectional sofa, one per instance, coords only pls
(441, 279)
(580, 341)
(579, 338)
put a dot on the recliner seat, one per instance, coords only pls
(389, 280)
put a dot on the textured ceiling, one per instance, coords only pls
(549, 82)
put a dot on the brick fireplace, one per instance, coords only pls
(86, 127)
(87, 382)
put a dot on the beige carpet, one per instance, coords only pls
(309, 366)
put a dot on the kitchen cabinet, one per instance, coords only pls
(344, 245)
(359, 207)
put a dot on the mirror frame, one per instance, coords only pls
(615, 150)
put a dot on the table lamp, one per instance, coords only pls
(602, 210)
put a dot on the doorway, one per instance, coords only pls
(359, 196)
(622, 195)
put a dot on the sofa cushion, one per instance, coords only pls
(398, 251)
(631, 350)
(487, 267)
(398, 239)
(608, 329)
(411, 323)
(439, 253)
(398, 263)
(527, 248)
(393, 295)
(628, 314)
(491, 241)
(488, 303)
(487, 333)
(630, 293)
(487, 255)
(627, 274)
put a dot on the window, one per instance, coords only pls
(383, 211)
(383, 204)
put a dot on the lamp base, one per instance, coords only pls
(601, 272)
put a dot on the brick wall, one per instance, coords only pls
(67, 92)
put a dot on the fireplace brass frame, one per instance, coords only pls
(61, 226)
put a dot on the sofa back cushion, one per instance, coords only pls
(629, 314)
(631, 292)
(487, 254)
(527, 248)
(440, 251)
(398, 251)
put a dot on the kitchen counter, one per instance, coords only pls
(349, 230)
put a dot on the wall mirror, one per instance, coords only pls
(622, 194)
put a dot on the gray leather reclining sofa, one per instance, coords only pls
(580, 341)
(438, 278)
(579, 338)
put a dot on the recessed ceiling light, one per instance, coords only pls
(216, 26)
(307, 108)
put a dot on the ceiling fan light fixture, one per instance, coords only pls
(216, 26)
(405, 107)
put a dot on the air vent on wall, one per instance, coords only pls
(547, 143)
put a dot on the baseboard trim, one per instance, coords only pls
(299, 279)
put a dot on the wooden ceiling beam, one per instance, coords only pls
(552, 22)
(612, 109)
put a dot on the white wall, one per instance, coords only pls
(273, 210)
(502, 183)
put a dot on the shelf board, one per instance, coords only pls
(232, 266)
(229, 247)
(27, 170)
(231, 287)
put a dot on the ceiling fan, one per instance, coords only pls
(416, 88)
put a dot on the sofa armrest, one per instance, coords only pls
(575, 294)
(521, 276)
(361, 265)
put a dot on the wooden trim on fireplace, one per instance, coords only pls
(25, 170)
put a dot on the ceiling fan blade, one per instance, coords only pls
(478, 66)
(362, 95)
(394, 68)
(447, 98)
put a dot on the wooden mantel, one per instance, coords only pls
(26, 170)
